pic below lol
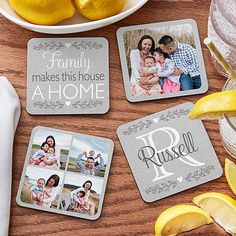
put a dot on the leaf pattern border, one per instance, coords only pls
(138, 127)
(171, 115)
(59, 45)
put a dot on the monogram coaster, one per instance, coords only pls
(67, 76)
(168, 153)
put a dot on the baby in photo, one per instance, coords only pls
(78, 201)
(37, 158)
(149, 76)
(38, 191)
(50, 158)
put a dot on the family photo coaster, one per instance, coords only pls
(161, 60)
(168, 153)
(67, 76)
(65, 173)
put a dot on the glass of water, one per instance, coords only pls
(228, 125)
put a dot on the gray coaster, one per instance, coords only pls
(168, 153)
(71, 161)
(183, 31)
(67, 76)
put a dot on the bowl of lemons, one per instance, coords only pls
(67, 16)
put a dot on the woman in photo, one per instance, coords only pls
(88, 205)
(139, 85)
(52, 159)
(50, 192)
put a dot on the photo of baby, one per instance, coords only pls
(88, 156)
(50, 150)
(81, 194)
(41, 187)
(161, 60)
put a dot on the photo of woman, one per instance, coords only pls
(50, 150)
(41, 187)
(81, 194)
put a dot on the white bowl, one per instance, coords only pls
(75, 24)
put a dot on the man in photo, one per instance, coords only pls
(90, 167)
(185, 59)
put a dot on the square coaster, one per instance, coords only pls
(65, 173)
(168, 153)
(67, 76)
(161, 60)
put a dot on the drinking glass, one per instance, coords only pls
(222, 31)
(228, 125)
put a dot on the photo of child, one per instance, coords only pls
(81, 194)
(41, 187)
(149, 76)
(165, 69)
(38, 156)
(50, 150)
(88, 156)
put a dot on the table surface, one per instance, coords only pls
(124, 212)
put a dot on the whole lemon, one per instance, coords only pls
(99, 9)
(43, 12)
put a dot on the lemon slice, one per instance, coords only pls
(221, 207)
(180, 218)
(230, 173)
(213, 106)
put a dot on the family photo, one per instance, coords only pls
(162, 61)
(50, 150)
(88, 156)
(41, 187)
(81, 194)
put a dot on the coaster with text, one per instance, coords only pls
(168, 153)
(65, 173)
(68, 76)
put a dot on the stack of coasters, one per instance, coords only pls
(67, 76)
(168, 153)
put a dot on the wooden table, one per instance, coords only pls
(124, 212)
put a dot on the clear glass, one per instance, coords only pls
(222, 31)
(228, 125)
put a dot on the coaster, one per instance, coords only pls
(65, 173)
(161, 60)
(168, 153)
(67, 76)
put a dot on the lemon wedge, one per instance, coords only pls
(221, 207)
(43, 12)
(180, 218)
(230, 173)
(213, 106)
(99, 9)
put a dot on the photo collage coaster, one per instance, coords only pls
(65, 173)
